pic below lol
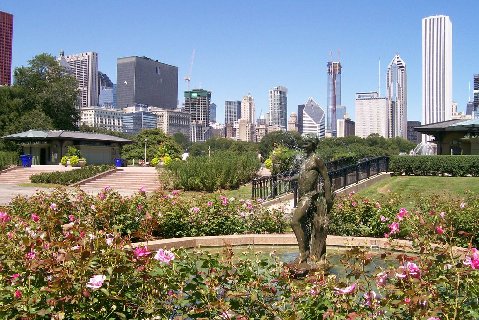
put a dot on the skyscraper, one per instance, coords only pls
(144, 81)
(396, 83)
(84, 67)
(371, 114)
(311, 119)
(475, 108)
(248, 109)
(6, 38)
(232, 111)
(213, 112)
(197, 104)
(436, 69)
(334, 95)
(278, 107)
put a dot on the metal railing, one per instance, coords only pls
(341, 176)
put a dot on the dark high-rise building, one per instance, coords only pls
(213, 112)
(6, 38)
(232, 111)
(413, 135)
(143, 81)
(334, 95)
(475, 112)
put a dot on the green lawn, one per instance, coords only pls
(409, 188)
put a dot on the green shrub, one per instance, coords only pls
(69, 177)
(457, 166)
(223, 170)
(8, 159)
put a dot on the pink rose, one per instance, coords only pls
(164, 256)
(439, 230)
(17, 294)
(393, 228)
(35, 217)
(383, 219)
(4, 217)
(141, 252)
(402, 213)
(96, 282)
(346, 290)
(71, 218)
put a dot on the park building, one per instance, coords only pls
(103, 118)
(371, 114)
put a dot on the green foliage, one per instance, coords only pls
(64, 160)
(7, 159)
(154, 162)
(69, 177)
(221, 144)
(457, 166)
(357, 148)
(283, 160)
(74, 160)
(72, 151)
(288, 139)
(181, 140)
(223, 170)
(46, 87)
(156, 143)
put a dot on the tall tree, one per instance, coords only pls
(48, 88)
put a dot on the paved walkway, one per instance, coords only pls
(126, 181)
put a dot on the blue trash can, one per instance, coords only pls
(26, 160)
(118, 162)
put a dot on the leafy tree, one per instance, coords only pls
(46, 86)
(85, 128)
(156, 142)
(288, 139)
(221, 144)
(182, 140)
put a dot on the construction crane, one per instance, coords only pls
(188, 76)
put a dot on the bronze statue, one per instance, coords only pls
(310, 218)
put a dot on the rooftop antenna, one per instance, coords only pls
(379, 77)
(188, 76)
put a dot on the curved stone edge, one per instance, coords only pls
(280, 239)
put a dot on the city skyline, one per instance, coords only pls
(305, 34)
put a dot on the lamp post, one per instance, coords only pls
(145, 149)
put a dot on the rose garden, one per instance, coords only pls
(67, 254)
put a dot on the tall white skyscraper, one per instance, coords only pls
(84, 66)
(371, 114)
(396, 82)
(278, 106)
(436, 69)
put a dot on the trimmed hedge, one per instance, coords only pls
(8, 158)
(457, 166)
(68, 177)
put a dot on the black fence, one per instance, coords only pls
(341, 176)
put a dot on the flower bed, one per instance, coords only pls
(57, 261)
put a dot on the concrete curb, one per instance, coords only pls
(10, 169)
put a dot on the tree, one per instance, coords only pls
(182, 140)
(289, 139)
(157, 142)
(47, 87)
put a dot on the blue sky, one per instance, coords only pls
(251, 46)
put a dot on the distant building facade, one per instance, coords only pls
(212, 112)
(144, 81)
(293, 122)
(232, 111)
(413, 135)
(172, 121)
(371, 114)
(84, 67)
(107, 97)
(346, 127)
(197, 104)
(333, 95)
(278, 107)
(103, 118)
(6, 40)
(396, 82)
(311, 119)
(134, 122)
(436, 69)
(475, 108)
